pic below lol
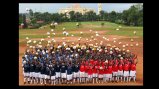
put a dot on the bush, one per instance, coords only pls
(102, 24)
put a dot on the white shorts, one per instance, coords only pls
(115, 73)
(63, 75)
(104, 75)
(86, 74)
(95, 75)
(90, 76)
(120, 73)
(100, 76)
(69, 77)
(42, 76)
(82, 74)
(109, 75)
(36, 75)
(132, 73)
(47, 76)
(57, 75)
(126, 73)
(31, 74)
(76, 74)
(25, 75)
(52, 77)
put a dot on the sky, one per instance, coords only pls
(54, 7)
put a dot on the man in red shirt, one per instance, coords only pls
(120, 70)
(115, 71)
(105, 76)
(95, 72)
(82, 70)
(95, 62)
(132, 71)
(86, 71)
(110, 71)
(91, 61)
(90, 72)
(100, 75)
(126, 70)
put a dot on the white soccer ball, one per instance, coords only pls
(34, 41)
(132, 40)
(134, 32)
(27, 38)
(123, 46)
(137, 44)
(48, 33)
(117, 29)
(97, 34)
(54, 34)
(42, 39)
(127, 44)
(81, 33)
(52, 30)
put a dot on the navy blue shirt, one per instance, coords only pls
(69, 70)
(43, 70)
(37, 69)
(73, 68)
(57, 68)
(47, 71)
(63, 68)
(26, 68)
(32, 68)
(77, 68)
(53, 71)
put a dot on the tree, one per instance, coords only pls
(20, 18)
(24, 21)
(101, 15)
(91, 16)
(31, 12)
(112, 16)
(72, 15)
(77, 16)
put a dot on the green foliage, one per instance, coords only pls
(132, 16)
(102, 24)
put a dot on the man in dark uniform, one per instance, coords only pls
(63, 72)
(69, 73)
(73, 71)
(26, 71)
(76, 70)
(57, 71)
(42, 71)
(37, 71)
(47, 73)
(32, 71)
(53, 73)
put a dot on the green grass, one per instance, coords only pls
(71, 26)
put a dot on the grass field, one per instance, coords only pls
(124, 34)
(71, 26)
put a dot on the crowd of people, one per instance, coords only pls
(78, 64)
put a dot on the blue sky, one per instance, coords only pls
(54, 7)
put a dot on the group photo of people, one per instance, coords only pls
(78, 64)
